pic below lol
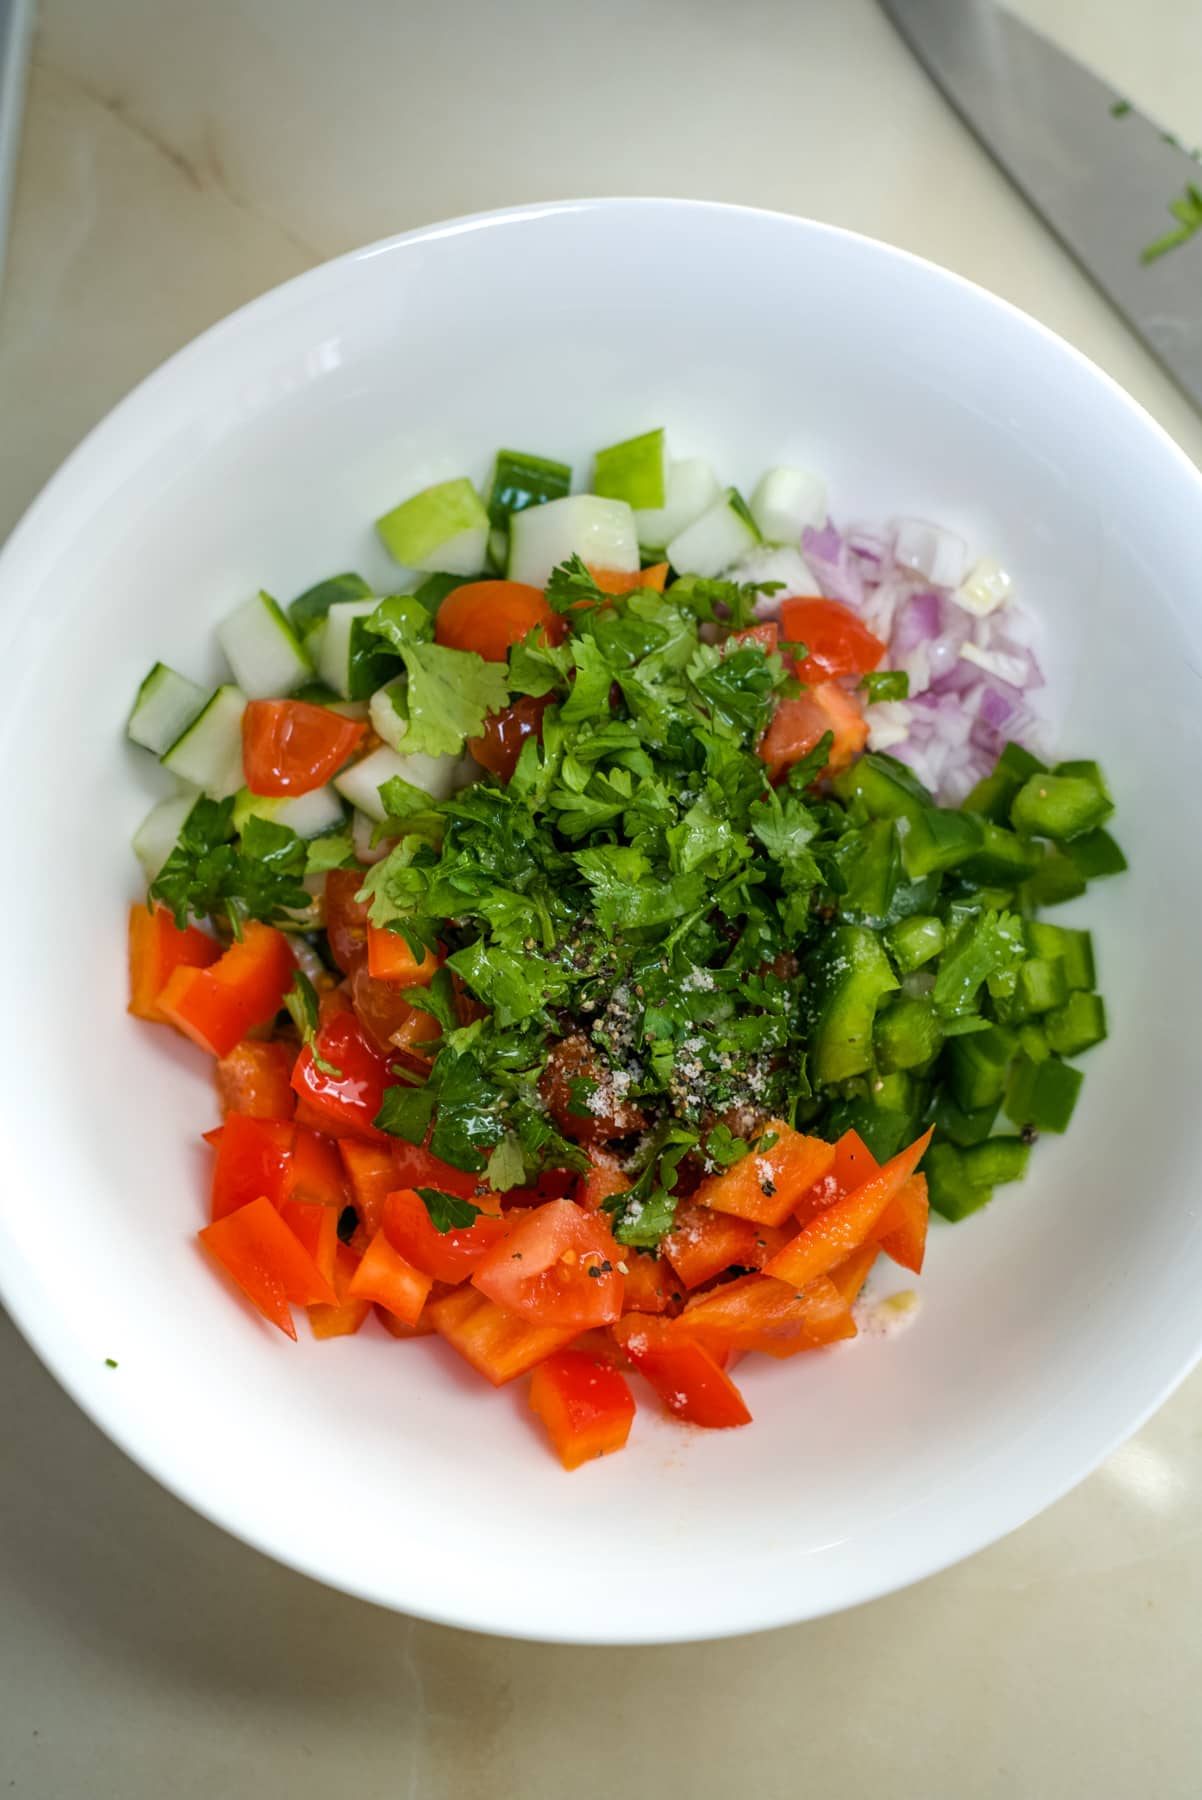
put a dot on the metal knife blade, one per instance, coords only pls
(1102, 177)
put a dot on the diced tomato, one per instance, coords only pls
(253, 1159)
(767, 1183)
(346, 1103)
(586, 1406)
(605, 1116)
(156, 949)
(850, 1275)
(603, 1180)
(558, 1267)
(217, 1006)
(389, 1020)
(268, 1263)
(316, 1227)
(372, 1177)
(626, 581)
(757, 1313)
(797, 725)
(837, 640)
(489, 616)
(344, 1319)
(446, 1255)
(505, 733)
(651, 1285)
(703, 1242)
(766, 635)
(255, 1078)
(346, 917)
(386, 1278)
(316, 1176)
(498, 1344)
(418, 1167)
(683, 1372)
(413, 1036)
(835, 1233)
(902, 1228)
(291, 747)
(389, 958)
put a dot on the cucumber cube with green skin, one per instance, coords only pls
(521, 480)
(307, 613)
(208, 754)
(690, 488)
(1077, 1025)
(634, 470)
(1060, 807)
(166, 705)
(719, 537)
(444, 527)
(267, 657)
(848, 974)
(785, 501)
(587, 525)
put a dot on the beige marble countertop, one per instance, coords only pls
(179, 159)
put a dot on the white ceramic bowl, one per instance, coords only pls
(1050, 1325)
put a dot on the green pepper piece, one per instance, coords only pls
(1061, 807)
(1041, 986)
(1033, 1042)
(939, 838)
(1077, 1025)
(1002, 857)
(915, 941)
(907, 1035)
(952, 1122)
(884, 1130)
(1056, 879)
(848, 974)
(870, 867)
(1074, 949)
(949, 1188)
(887, 788)
(1042, 1095)
(977, 1066)
(1096, 854)
(996, 1160)
(994, 795)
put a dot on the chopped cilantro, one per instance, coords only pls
(886, 684)
(447, 1211)
(301, 1004)
(209, 875)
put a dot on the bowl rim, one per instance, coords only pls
(104, 1408)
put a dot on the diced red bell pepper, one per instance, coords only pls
(344, 1104)
(586, 1406)
(602, 1181)
(372, 1177)
(902, 1229)
(850, 1275)
(394, 1327)
(255, 1078)
(316, 1227)
(217, 1006)
(651, 1284)
(757, 1313)
(765, 1185)
(316, 1176)
(389, 958)
(253, 1159)
(344, 1319)
(416, 1167)
(835, 1233)
(703, 1242)
(498, 1344)
(156, 949)
(854, 1162)
(449, 1256)
(384, 1277)
(683, 1372)
(264, 1257)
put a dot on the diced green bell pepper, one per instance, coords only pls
(939, 838)
(1055, 880)
(1060, 807)
(1074, 949)
(977, 1066)
(848, 974)
(996, 1160)
(1002, 857)
(907, 1035)
(951, 1121)
(951, 1191)
(994, 795)
(1096, 854)
(914, 941)
(887, 788)
(1077, 1025)
(1043, 1094)
(870, 868)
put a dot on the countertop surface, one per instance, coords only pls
(178, 160)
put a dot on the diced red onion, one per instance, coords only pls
(838, 571)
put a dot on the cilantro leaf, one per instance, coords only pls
(723, 1148)
(985, 944)
(336, 850)
(206, 874)
(406, 1112)
(447, 1211)
(401, 621)
(804, 774)
(730, 603)
(886, 684)
(571, 583)
(507, 1165)
(448, 696)
(590, 690)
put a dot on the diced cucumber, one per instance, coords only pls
(498, 550)
(262, 649)
(209, 752)
(520, 480)
(634, 471)
(444, 527)
(689, 488)
(155, 838)
(354, 661)
(785, 501)
(307, 612)
(363, 831)
(601, 531)
(724, 532)
(778, 563)
(386, 721)
(167, 703)
(306, 814)
(361, 783)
